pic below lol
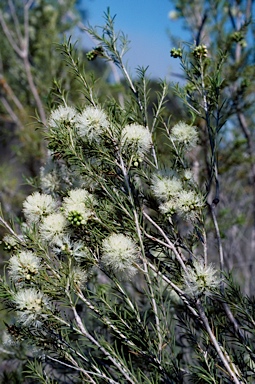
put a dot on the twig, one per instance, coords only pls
(175, 288)
(7, 226)
(117, 364)
(220, 247)
(138, 230)
(10, 111)
(233, 373)
(171, 246)
(23, 52)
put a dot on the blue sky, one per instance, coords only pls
(146, 23)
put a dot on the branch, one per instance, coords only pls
(170, 245)
(232, 372)
(8, 34)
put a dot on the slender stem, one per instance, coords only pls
(9, 36)
(138, 230)
(232, 319)
(9, 92)
(233, 373)
(175, 288)
(220, 247)
(170, 245)
(74, 366)
(106, 320)
(23, 53)
(89, 373)
(16, 21)
(34, 90)
(11, 112)
(205, 248)
(117, 364)
(7, 226)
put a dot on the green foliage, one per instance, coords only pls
(110, 276)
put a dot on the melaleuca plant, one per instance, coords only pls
(109, 277)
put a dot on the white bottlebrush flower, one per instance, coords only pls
(49, 181)
(10, 242)
(79, 251)
(200, 279)
(137, 138)
(75, 249)
(8, 340)
(23, 266)
(165, 187)
(52, 228)
(31, 305)
(62, 115)
(185, 135)
(77, 207)
(38, 205)
(78, 277)
(189, 204)
(169, 207)
(188, 175)
(119, 252)
(92, 123)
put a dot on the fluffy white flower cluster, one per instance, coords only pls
(23, 266)
(119, 252)
(91, 123)
(137, 138)
(165, 187)
(174, 198)
(74, 249)
(62, 115)
(200, 279)
(184, 134)
(49, 181)
(78, 206)
(53, 227)
(38, 205)
(10, 242)
(51, 219)
(31, 305)
(79, 277)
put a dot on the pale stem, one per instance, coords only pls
(7, 226)
(205, 248)
(9, 92)
(83, 332)
(88, 373)
(220, 247)
(219, 349)
(82, 357)
(74, 366)
(153, 300)
(169, 243)
(8, 34)
(10, 111)
(106, 320)
(232, 319)
(16, 21)
(23, 53)
(128, 301)
(117, 364)
(174, 287)
(149, 284)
